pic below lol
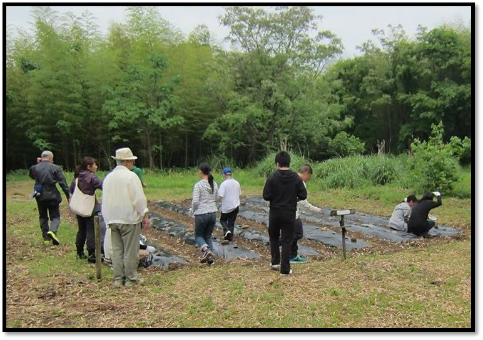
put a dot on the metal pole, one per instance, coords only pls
(343, 235)
(97, 236)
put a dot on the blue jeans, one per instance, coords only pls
(204, 226)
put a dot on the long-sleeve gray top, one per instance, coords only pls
(204, 200)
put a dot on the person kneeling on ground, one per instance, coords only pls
(418, 223)
(400, 215)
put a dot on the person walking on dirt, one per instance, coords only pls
(230, 193)
(282, 189)
(203, 208)
(47, 175)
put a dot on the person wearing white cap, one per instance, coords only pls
(124, 208)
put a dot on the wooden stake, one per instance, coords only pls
(97, 235)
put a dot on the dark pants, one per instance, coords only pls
(85, 234)
(281, 221)
(204, 226)
(421, 229)
(46, 210)
(228, 222)
(298, 233)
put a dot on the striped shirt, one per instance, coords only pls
(204, 201)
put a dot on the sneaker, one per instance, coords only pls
(211, 261)
(130, 283)
(92, 258)
(289, 273)
(118, 283)
(55, 240)
(81, 256)
(210, 257)
(47, 242)
(275, 267)
(204, 257)
(228, 235)
(298, 259)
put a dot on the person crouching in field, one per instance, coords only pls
(418, 223)
(282, 189)
(203, 208)
(305, 172)
(400, 215)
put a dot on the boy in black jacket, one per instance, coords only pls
(418, 223)
(283, 189)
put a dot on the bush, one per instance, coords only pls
(461, 149)
(344, 145)
(433, 166)
(266, 166)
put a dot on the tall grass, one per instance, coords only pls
(358, 171)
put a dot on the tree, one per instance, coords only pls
(279, 61)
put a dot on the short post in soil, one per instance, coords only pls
(342, 213)
(97, 236)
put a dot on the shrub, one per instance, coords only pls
(344, 145)
(461, 149)
(433, 166)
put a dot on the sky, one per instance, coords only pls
(352, 24)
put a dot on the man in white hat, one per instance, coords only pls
(124, 207)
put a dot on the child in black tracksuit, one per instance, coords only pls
(283, 189)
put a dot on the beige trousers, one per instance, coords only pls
(125, 250)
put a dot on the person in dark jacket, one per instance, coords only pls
(282, 189)
(88, 183)
(48, 175)
(418, 223)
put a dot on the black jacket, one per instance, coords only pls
(283, 189)
(419, 213)
(48, 174)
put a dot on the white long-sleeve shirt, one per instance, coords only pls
(305, 204)
(123, 199)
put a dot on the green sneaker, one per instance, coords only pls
(55, 240)
(47, 243)
(298, 259)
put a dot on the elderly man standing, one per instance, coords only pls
(124, 207)
(46, 175)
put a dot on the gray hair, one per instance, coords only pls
(120, 162)
(47, 155)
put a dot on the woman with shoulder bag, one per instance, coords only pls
(84, 203)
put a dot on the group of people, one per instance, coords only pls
(412, 216)
(124, 210)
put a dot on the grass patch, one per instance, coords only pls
(416, 287)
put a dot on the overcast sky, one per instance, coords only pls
(353, 24)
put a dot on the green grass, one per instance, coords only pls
(416, 287)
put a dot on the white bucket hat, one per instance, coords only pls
(124, 154)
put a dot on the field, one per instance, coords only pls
(425, 284)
